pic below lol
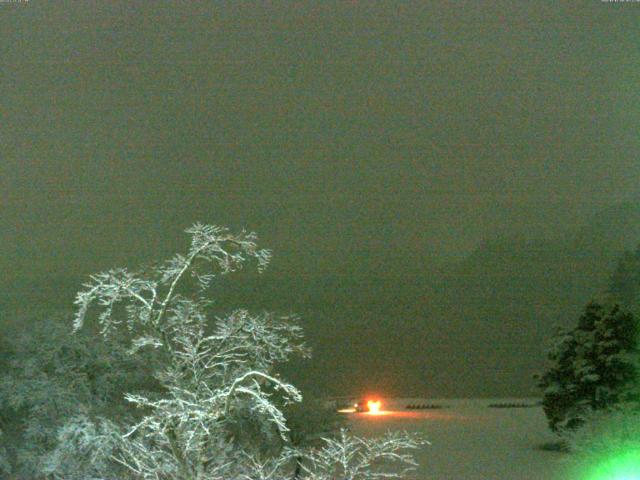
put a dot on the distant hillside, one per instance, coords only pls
(475, 327)
(509, 293)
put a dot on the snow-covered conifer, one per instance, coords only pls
(593, 366)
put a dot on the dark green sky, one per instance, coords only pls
(354, 137)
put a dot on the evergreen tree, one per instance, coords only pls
(593, 367)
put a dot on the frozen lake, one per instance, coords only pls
(469, 440)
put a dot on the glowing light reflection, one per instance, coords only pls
(624, 465)
(347, 410)
(374, 407)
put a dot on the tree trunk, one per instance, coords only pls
(298, 470)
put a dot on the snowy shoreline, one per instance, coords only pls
(470, 440)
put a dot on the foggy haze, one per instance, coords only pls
(373, 147)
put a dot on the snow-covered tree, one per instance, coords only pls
(5, 464)
(83, 451)
(311, 423)
(48, 376)
(593, 366)
(220, 409)
(353, 458)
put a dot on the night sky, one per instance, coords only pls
(365, 142)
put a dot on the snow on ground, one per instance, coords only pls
(469, 440)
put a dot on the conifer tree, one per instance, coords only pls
(593, 366)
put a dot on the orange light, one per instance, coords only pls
(374, 407)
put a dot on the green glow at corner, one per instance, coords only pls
(623, 466)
